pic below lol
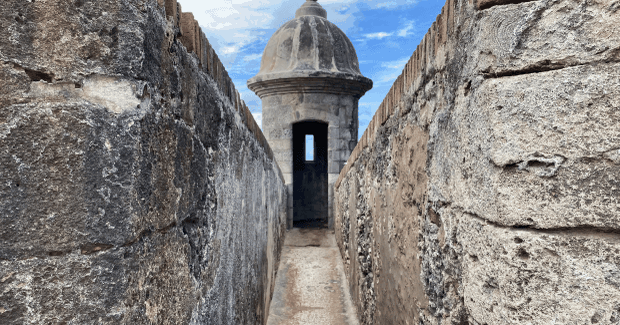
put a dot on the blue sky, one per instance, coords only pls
(384, 32)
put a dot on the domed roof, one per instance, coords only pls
(309, 46)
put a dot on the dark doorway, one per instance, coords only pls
(310, 174)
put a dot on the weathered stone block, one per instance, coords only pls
(513, 276)
(544, 35)
(171, 7)
(104, 45)
(128, 180)
(546, 136)
(188, 30)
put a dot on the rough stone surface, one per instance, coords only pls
(135, 187)
(485, 190)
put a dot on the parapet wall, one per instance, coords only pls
(135, 187)
(195, 41)
(485, 190)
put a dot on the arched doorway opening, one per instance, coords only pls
(310, 187)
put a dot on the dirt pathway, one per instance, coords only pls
(311, 287)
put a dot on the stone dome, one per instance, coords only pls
(309, 46)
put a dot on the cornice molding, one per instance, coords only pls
(323, 85)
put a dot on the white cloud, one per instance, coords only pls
(396, 64)
(238, 23)
(394, 4)
(222, 25)
(366, 105)
(253, 57)
(221, 12)
(258, 117)
(380, 35)
(389, 4)
(407, 30)
(387, 72)
(229, 50)
(365, 117)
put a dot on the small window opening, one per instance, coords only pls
(309, 147)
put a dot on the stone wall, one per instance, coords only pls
(486, 188)
(135, 188)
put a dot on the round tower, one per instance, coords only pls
(310, 84)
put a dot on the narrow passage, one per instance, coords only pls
(311, 287)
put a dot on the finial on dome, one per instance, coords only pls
(311, 8)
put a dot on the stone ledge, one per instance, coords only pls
(326, 85)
